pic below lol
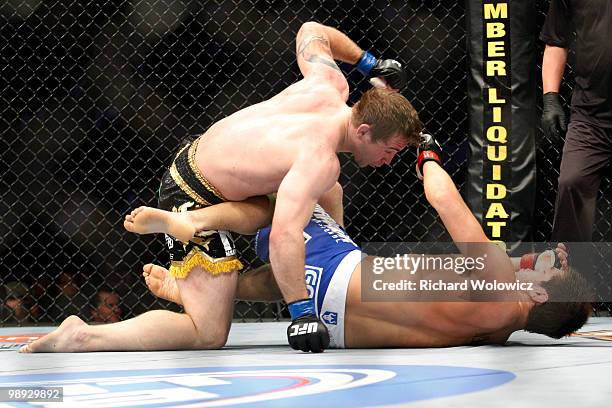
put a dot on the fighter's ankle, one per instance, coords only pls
(81, 338)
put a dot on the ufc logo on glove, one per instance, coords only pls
(304, 329)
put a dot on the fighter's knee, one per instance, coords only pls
(210, 336)
(217, 343)
(211, 339)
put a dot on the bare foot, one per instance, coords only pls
(161, 284)
(67, 338)
(148, 220)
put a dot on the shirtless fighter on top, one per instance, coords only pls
(288, 145)
(555, 305)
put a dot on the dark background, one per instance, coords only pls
(96, 96)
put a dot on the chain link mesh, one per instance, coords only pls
(548, 160)
(96, 97)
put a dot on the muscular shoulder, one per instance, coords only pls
(322, 154)
(321, 161)
(326, 90)
(314, 92)
(335, 85)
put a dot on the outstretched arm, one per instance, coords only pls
(462, 225)
(442, 194)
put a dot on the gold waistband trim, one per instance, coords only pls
(194, 168)
(185, 187)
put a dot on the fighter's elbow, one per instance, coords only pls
(277, 237)
(309, 25)
(281, 235)
(336, 192)
(342, 86)
(441, 197)
(438, 196)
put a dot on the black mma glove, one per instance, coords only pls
(390, 70)
(429, 149)
(554, 123)
(306, 332)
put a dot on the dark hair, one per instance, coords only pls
(558, 316)
(387, 112)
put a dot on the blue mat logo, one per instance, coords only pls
(342, 385)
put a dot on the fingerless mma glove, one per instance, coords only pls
(306, 332)
(390, 70)
(429, 150)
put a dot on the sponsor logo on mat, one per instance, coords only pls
(303, 386)
(17, 340)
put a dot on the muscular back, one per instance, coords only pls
(249, 152)
(422, 323)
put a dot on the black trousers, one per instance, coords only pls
(586, 153)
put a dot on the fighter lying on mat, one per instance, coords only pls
(356, 323)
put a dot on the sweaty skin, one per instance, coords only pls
(263, 141)
(288, 144)
(367, 324)
(381, 324)
(408, 324)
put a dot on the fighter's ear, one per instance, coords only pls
(538, 294)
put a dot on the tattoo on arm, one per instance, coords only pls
(312, 57)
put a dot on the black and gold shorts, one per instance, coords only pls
(184, 188)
